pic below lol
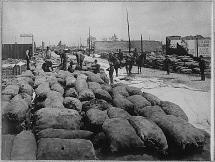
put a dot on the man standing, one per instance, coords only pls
(202, 67)
(81, 59)
(111, 70)
(120, 56)
(48, 53)
(28, 57)
(167, 63)
(135, 55)
(61, 56)
(78, 58)
(65, 58)
(129, 63)
(70, 68)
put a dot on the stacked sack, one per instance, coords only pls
(58, 120)
(84, 118)
(162, 125)
(18, 142)
(17, 102)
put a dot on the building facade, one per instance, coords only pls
(194, 45)
(204, 47)
(172, 41)
(107, 46)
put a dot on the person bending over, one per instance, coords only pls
(96, 67)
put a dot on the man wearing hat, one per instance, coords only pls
(28, 57)
(202, 67)
(167, 63)
(48, 53)
(70, 67)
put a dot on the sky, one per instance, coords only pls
(69, 22)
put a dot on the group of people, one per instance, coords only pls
(167, 63)
(116, 61)
(80, 59)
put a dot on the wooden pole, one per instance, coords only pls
(129, 43)
(197, 45)
(89, 41)
(32, 45)
(141, 44)
(78, 45)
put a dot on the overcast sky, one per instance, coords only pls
(70, 21)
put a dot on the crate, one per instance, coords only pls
(16, 70)
(7, 72)
(23, 68)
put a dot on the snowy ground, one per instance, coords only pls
(195, 102)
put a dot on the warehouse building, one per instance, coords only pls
(195, 45)
(107, 46)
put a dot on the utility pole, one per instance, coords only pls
(89, 41)
(197, 45)
(141, 44)
(129, 43)
(80, 42)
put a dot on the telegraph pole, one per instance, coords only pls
(197, 45)
(80, 42)
(129, 43)
(141, 44)
(89, 41)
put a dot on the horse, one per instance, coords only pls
(140, 60)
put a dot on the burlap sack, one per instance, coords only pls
(65, 149)
(121, 135)
(57, 118)
(64, 134)
(151, 98)
(115, 112)
(171, 108)
(72, 103)
(150, 133)
(24, 146)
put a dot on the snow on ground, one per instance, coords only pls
(195, 103)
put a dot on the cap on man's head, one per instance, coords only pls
(95, 60)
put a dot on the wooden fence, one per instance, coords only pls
(15, 51)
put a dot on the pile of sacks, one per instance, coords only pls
(79, 116)
(16, 101)
(179, 64)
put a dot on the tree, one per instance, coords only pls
(104, 38)
(113, 38)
